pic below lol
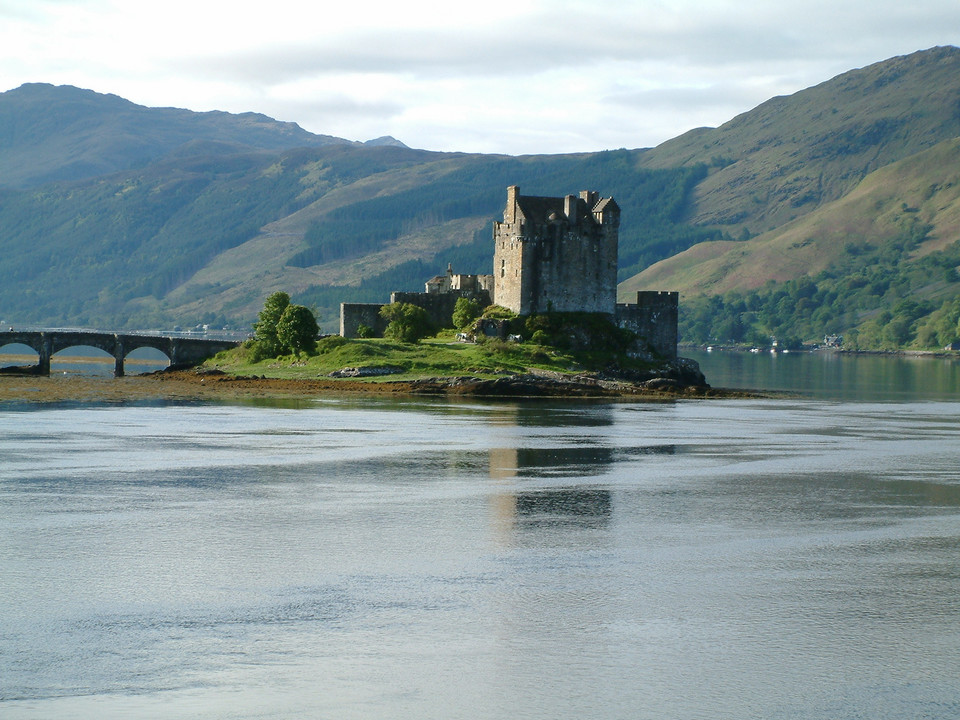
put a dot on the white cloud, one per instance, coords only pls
(517, 76)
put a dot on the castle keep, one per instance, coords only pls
(556, 254)
(550, 255)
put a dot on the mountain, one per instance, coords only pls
(791, 155)
(824, 184)
(50, 133)
(831, 210)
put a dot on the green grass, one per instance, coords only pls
(435, 357)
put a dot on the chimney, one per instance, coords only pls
(513, 195)
(570, 208)
(591, 198)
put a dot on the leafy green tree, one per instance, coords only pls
(406, 322)
(297, 329)
(267, 344)
(465, 312)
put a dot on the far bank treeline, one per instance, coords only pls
(873, 296)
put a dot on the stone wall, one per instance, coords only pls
(353, 315)
(654, 317)
(440, 306)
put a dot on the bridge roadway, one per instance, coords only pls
(182, 351)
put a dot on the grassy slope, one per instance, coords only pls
(436, 357)
(924, 188)
(237, 280)
(791, 154)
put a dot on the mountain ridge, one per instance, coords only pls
(54, 133)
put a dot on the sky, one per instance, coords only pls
(514, 77)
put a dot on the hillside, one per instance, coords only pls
(854, 185)
(919, 195)
(793, 154)
(205, 235)
(115, 215)
(50, 133)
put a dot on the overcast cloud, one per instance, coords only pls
(525, 76)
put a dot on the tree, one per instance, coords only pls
(406, 322)
(265, 329)
(465, 312)
(297, 329)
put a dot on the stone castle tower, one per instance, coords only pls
(556, 254)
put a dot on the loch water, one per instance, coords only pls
(796, 557)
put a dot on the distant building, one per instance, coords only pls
(456, 283)
(550, 255)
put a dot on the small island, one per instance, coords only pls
(545, 322)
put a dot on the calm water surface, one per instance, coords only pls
(836, 376)
(793, 558)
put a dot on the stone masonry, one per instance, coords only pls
(556, 254)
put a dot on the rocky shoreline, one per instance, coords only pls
(204, 384)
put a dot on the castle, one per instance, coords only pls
(556, 254)
(550, 255)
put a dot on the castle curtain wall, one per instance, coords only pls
(654, 318)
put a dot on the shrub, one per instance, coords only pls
(465, 312)
(297, 329)
(498, 312)
(406, 322)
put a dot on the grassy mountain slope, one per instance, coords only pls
(50, 133)
(206, 238)
(843, 200)
(791, 155)
(879, 266)
(919, 195)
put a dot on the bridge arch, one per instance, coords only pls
(17, 354)
(150, 357)
(79, 354)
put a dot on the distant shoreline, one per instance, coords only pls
(944, 354)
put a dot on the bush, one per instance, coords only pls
(364, 331)
(465, 312)
(498, 312)
(406, 322)
(297, 329)
(540, 337)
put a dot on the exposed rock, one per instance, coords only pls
(352, 372)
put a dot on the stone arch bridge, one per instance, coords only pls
(181, 351)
